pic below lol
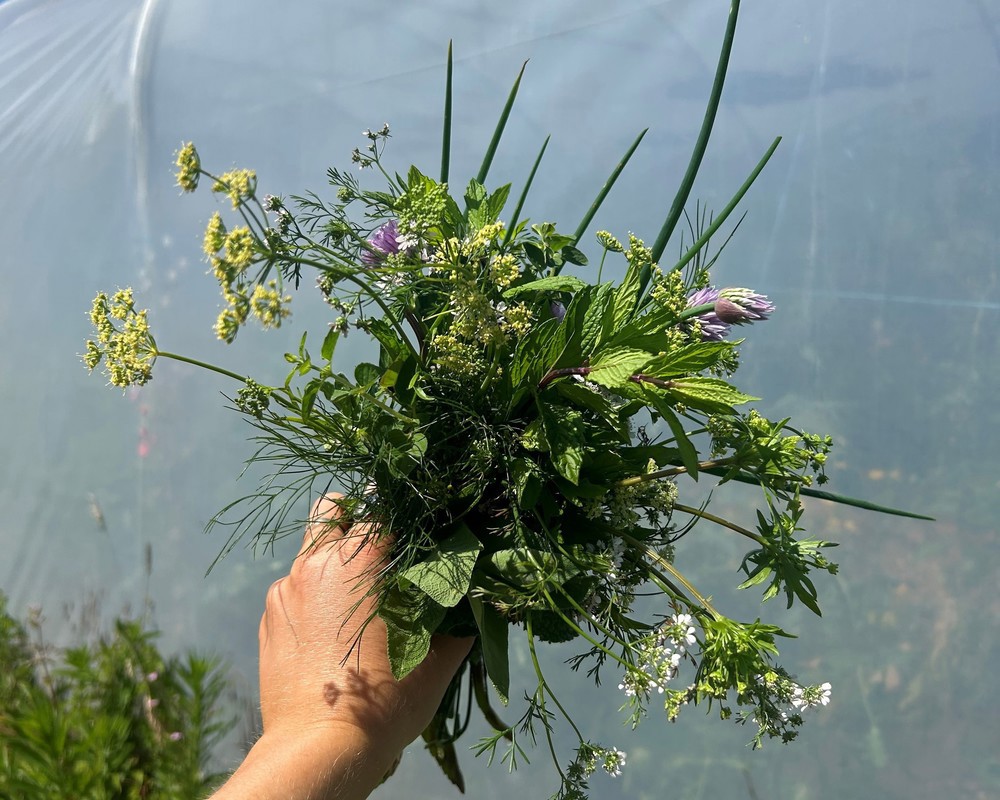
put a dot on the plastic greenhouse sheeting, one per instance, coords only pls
(873, 229)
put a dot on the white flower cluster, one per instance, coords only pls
(660, 657)
(588, 758)
(806, 697)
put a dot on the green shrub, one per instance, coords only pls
(109, 720)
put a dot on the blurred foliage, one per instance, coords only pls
(108, 719)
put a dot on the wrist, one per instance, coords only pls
(336, 760)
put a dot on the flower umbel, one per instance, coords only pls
(188, 167)
(124, 342)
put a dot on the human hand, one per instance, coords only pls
(334, 717)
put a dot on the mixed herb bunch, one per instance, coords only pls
(526, 436)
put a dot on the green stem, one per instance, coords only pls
(540, 694)
(202, 364)
(351, 276)
(524, 195)
(725, 523)
(666, 565)
(670, 472)
(543, 684)
(593, 621)
(610, 182)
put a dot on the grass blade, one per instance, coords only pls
(585, 222)
(446, 135)
(524, 193)
(501, 124)
(717, 222)
(820, 494)
(680, 199)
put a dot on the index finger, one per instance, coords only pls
(326, 522)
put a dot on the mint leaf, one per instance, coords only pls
(564, 433)
(612, 368)
(551, 283)
(687, 360)
(709, 394)
(626, 296)
(445, 576)
(597, 320)
(410, 618)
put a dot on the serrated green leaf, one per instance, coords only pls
(410, 619)
(597, 322)
(626, 296)
(495, 203)
(687, 360)
(533, 437)
(533, 357)
(584, 397)
(446, 574)
(386, 335)
(710, 394)
(564, 432)
(527, 480)
(475, 193)
(493, 630)
(573, 255)
(613, 368)
(550, 283)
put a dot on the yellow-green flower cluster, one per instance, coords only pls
(669, 291)
(504, 270)
(238, 184)
(215, 235)
(123, 343)
(422, 206)
(232, 318)
(609, 242)
(517, 320)
(231, 253)
(637, 252)
(253, 399)
(188, 167)
(452, 355)
(268, 305)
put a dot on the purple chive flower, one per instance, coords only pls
(713, 328)
(384, 242)
(739, 306)
(732, 307)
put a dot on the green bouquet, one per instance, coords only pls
(524, 435)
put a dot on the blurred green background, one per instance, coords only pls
(873, 229)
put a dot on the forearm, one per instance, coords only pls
(320, 765)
